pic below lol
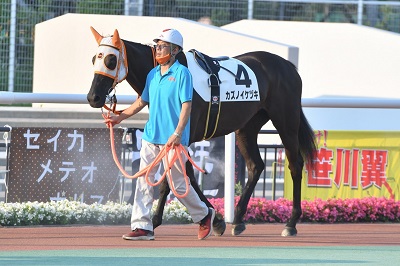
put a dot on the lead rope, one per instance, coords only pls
(163, 153)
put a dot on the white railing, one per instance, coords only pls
(24, 97)
(354, 102)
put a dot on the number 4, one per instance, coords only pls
(246, 81)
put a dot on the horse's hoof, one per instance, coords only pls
(237, 229)
(289, 231)
(219, 228)
(156, 222)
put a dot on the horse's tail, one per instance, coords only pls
(308, 146)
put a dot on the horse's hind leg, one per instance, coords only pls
(288, 129)
(247, 144)
(164, 191)
(296, 172)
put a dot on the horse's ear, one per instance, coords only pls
(116, 40)
(96, 35)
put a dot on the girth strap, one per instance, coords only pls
(210, 66)
(214, 107)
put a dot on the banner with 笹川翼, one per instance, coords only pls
(351, 164)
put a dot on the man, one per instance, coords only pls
(168, 92)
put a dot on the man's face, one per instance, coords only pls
(163, 48)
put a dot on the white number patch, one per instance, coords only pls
(244, 88)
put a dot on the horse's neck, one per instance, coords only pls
(181, 57)
(140, 62)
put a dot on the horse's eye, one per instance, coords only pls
(110, 61)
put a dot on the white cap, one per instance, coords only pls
(171, 36)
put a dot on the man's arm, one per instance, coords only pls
(135, 108)
(183, 117)
(183, 120)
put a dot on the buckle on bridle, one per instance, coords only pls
(111, 97)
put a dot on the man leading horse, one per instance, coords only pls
(168, 93)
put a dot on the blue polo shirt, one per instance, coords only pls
(165, 95)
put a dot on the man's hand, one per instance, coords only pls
(174, 140)
(114, 120)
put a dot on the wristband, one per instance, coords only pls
(178, 135)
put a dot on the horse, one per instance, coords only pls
(279, 91)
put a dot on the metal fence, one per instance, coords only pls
(19, 17)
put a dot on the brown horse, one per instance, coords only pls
(279, 92)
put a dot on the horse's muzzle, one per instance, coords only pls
(95, 101)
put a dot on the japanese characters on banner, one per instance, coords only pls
(352, 164)
(213, 153)
(63, 163)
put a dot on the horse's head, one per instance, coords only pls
(110, 68)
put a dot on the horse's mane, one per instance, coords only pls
(181, 57)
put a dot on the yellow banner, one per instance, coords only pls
(351, 164)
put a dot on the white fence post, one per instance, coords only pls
(11, 56)
(229, 177)
(360, 8)
(250, 4)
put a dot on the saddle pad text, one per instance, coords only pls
(245, 88)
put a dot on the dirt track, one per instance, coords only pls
(93, 237)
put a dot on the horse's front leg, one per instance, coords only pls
(296, 172)
(158, 215)
(219, 224)
(247, 144)
(254, 172)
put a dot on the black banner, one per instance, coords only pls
(63, 163)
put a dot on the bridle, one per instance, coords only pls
(111, 97)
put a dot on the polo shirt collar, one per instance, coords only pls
(173, 67)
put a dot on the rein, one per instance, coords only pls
(163, 154)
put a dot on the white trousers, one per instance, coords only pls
(143, 200)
